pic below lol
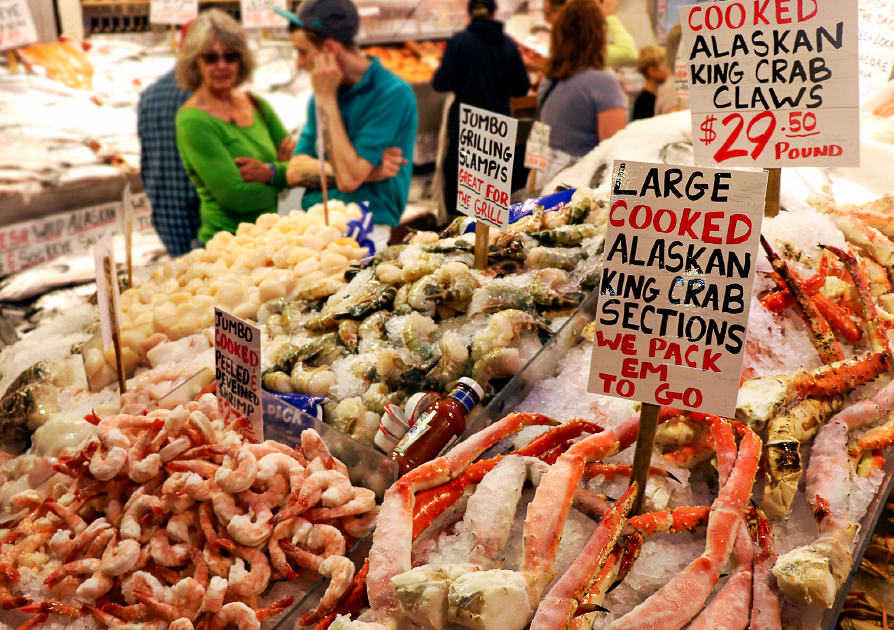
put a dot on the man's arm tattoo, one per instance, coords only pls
(327, 138)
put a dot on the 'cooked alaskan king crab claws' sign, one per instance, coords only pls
(773, 83)
(680, 254)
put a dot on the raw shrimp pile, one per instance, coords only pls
(297, 255)
(172, 518)
(418, 317)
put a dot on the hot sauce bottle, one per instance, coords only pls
(442, 422)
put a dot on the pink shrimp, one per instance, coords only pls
(254, 528)
(363, 500)
(238, 471)
(253, 581)
(166, 554)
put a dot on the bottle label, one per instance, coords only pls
(463, 397)
(419, 428)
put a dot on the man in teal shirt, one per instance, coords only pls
(367, 115)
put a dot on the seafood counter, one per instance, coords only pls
(526, 519)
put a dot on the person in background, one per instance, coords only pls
(233, 145)
(483, 68)
(621, 50)
(582, 102)
(367, 115)
(652, 64)
(173, 197)
(668, 99)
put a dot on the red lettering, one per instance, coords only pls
(711, 10)
(801, 16)
(759, 10)
(781, 10)
(710, 361)
(692, 13)
(734, 221)
(689, 351)
(656, 344)
(686, 223)
(620, 203)
(710, 227)
(628, 368)
(673, 221)
(729, 19)
(635, 214)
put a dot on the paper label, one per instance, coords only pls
(876, 35)
(773, 83)
(486, 153)
(16, 24)
(260, 14)
(537, 147)
(237, 361)
(32, 242)
(173, 11)
(108, 296)
(676, 287)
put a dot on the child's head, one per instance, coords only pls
(652, 63)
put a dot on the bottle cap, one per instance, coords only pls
(391, 430)
(473, 385)
(417, 404)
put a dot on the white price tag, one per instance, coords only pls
(537, 147)
(237, 359)
(16, 24)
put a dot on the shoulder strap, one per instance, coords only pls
(257, 106)
(549, 90)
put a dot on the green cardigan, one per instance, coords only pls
(207, 147)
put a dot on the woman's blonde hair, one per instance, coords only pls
(210, 25)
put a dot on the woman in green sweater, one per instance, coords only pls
(233, 145)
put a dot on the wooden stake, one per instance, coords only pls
(119, 360)
(173, 38)
(642, 456)
(482, 232)
(774, 185)
(265, 34)
(13, 61)
(321, 153)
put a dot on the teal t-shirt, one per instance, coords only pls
(378, 112)
(207, 147)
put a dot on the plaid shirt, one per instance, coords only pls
(175, 203)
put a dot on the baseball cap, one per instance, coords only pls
(334, 19)
(489, 5)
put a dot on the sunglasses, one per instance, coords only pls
(212, 58)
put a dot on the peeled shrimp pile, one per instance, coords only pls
(418, 317)
(173, 518)
(296, 255)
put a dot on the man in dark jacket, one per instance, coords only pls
(483, 68)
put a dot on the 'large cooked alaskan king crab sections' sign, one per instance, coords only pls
(680, 253)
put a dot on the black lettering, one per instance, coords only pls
(734, 332)
(607, 306)
(733, 301)
(822, 33)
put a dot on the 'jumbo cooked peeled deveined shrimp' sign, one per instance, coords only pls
(237, 360)
(680, 253)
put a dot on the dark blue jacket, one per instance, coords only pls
(483, 68)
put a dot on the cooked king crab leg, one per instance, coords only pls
(393, 541)
(677, 602)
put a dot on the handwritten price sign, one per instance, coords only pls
(16, 24)
(259, 13)
(773, 83)
(768, 137)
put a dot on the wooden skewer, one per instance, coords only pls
(481, 237)
(774, 186)
(642, 455)
(13, 61)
